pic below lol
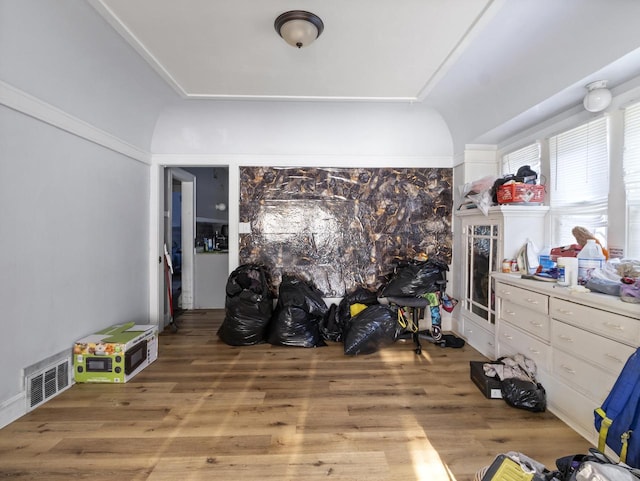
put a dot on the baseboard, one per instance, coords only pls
(12, 409)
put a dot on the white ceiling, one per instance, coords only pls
(490, 67)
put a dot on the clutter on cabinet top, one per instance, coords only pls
(591, 269)
(477, 194)
(582, 235)
(520, 188)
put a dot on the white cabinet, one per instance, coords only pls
(485, 241)
(580, 342)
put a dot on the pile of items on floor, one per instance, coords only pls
(594, 466)
(617, 423)
(301, 317)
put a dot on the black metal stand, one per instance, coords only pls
(415, 303)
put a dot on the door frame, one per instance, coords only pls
(187, 230)
(160, 162)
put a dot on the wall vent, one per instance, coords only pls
(47, 378)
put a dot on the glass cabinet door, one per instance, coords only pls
(481, 251)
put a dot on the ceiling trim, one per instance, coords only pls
(135, 43)
(478, 25)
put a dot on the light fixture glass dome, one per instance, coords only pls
(299, 28)
(598, 98)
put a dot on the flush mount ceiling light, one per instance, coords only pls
(299, 28)
(599, 96)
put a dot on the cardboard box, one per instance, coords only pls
(490, 386)
(115, 354)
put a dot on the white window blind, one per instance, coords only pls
(579, 184)
(580, 166)
(631, 166)
(529, 155)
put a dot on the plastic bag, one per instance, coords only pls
(416, 279)
(599, 283)
(371, 330)
(334, 323)
(630, 292)
(524, 394)
(478, 192)
(296, 320)
(248, 306)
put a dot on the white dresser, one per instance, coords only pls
(579, 342)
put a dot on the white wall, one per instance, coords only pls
(317, 134)
(74, 242)
(303, 128)
(77, 109)
(64, 53)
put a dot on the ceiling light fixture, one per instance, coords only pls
(299, 28)
(598, 96)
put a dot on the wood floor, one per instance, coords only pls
(208, 411)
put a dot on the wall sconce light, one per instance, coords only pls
(598, 96)
(299, 28)
(221, 206)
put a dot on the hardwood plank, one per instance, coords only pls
(205, 410)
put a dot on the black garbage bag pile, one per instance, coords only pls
(415, 279)
(296, 320)
(248, 306)
(335, 322)
(371, 329)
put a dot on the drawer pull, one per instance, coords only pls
(566, 311)
(532, 301)
(506, 293)
(565, 338)
(535, 351)
(611, 325)
(508, 336)
(568, 369)
(611, 356)
(511, 313)
(537, 324)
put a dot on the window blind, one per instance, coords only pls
(579, 161)
(631, 166)
(529, 155)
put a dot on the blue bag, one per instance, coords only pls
(617, 420)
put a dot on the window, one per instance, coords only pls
(579, 161)
(529, 155)
(631, 166)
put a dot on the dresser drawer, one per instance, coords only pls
(513, 341)
(480, 339)
(614, 326)
(608, 354)
(531, 321)
(533, 300)
(591, 381)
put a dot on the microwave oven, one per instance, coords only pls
(115, 354)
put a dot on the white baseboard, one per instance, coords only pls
(12, 409)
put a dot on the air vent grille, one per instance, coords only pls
(45, 382)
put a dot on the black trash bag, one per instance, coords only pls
(292, 326)
(296, 320)
(330, 327)
(248, 306)
(524, 394)
(298, 293)
(371, 330)
(333, 325)
(416, 279)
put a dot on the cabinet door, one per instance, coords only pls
(481, 258)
